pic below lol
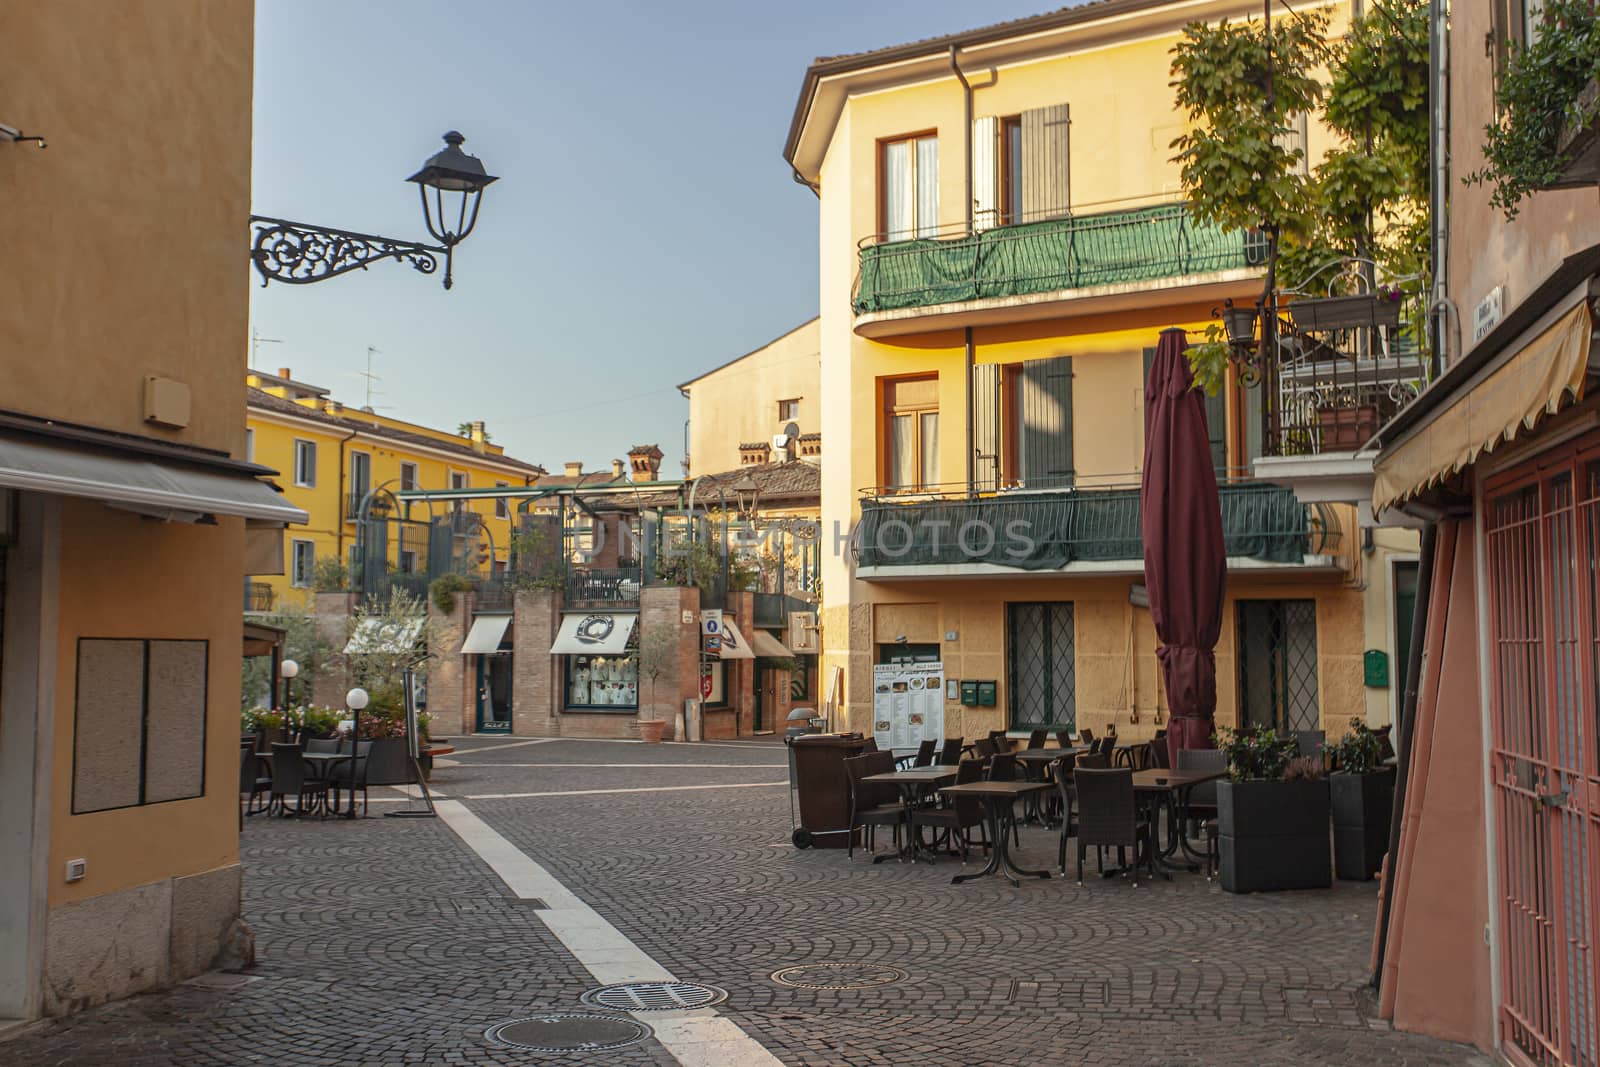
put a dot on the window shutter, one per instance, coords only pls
(1047, 422)
(1046, 171)
(1216, 419)
(985, 173)
(986, 426)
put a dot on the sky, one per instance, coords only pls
(645, 227)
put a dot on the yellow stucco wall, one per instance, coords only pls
(738, 403)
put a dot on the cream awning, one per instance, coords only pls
(770, 647)
(593, 633)
(486, 634)
(734, 646)
(1534, 382)
(140, 483)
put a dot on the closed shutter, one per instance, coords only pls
(986, 426)
(1046, 405)
(1216, 419)
(1046, 171)
(985, 173)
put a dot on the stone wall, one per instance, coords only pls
(536, 696)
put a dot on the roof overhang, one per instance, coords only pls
(1113, 568)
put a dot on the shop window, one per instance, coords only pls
(908, 187)
(604, 683)
(1278, 664)
(911, 433)
(906, 654)
(1041, 666)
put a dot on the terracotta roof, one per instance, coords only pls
(590, 478)
(811, 437)
(791, 482)
(258, 398)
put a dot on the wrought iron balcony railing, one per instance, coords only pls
(1140, 245)
(603, 585)
(1048, 530)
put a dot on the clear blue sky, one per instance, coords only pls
(645, 228)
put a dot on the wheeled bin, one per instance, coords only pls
(817, 774)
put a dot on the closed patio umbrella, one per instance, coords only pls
(1185, 567)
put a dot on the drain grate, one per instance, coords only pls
(568, 1032)
(654, 996)
(839, 976)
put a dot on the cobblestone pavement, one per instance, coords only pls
(387, 941)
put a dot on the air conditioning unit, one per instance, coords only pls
(804, 638)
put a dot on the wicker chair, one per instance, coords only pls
(1159, 757)
(1063, 772)
(957, 820)
(1036, 738)
(984, 748)
(1003, 768)
(1064, 738)
(253, 783)
(1108, 817)
(925, 753)
(1086, 736)
(872, 804)
(289, 780)
(950, 755)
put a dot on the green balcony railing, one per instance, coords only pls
(1047, 531)
(1144, 244)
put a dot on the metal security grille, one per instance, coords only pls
(1041, 650)
(1278, 664)
(1543, 549)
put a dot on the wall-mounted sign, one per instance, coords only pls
(707, 682)
(1486, 316)
(952, 689)
(711, 629)
(907, 704)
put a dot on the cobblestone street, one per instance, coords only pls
(390, 941)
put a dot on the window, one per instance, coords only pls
(408, 561)
(788, 410)
(249, 445)
(302, 559)
(603, 682)
(908, 181)
(1041, 667)
(1278, 664)
(1514, 24)
(360, 482)
(1294, 139)
(1011, 170)
(502, 506)
(1216, 419)
(716, 669)
(906, 654)
(458, 480)
(911, 433)
(1022, 424)
(305, 463)
(408, 476)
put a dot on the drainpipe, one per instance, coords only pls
(1439, 91)
(1408, 730)
(966, 138)
(800, 179)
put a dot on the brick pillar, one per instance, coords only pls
(330, 680)
(535, 674)
(661, 611)
(450, 691)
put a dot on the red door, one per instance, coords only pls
(1543, 525)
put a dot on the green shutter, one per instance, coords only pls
(1046, 404)
(1216, 419)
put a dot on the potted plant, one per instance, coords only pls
(1347, 427)
(1272, 815)
(1346, 312)
(384, 724)
(1362, 792)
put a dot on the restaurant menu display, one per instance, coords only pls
(907, 704)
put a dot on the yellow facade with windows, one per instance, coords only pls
(330, 457)
(935, 391)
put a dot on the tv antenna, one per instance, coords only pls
(256, 341)
(371, 377)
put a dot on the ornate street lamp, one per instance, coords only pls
(299, 253)
(747, 493)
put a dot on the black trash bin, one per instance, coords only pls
(816, 772)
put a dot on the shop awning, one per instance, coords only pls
(734, 646)
(770, 647)
(385, 635)
(151, 486)
(486, 634)
(1534, 382)
(593, 633)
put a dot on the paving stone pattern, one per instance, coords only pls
(388, 942)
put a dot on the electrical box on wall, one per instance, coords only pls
(166, 402)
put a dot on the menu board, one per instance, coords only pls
(907, 704)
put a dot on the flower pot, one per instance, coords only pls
(1361, 807)
(1345, 312)
(650, 730)
(1347, 429)
(1273, 835)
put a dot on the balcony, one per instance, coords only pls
(257, 597)
(1081, 531)
(603, 585)
(998, 269)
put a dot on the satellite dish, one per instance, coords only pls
(791, 430)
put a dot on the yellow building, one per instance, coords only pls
(1001, 245)
(745, 408)
(337, 461)
(126, 502)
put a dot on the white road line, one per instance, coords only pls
(642, 789)
(501, 746)
(699, 1038)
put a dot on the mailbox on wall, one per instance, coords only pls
(969, 694)
(987, 694)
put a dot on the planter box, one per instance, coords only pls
(1273, 835)
(1344, 312)
(1361, 807)
(1347, 429)
(388, 762)
(1581, 144)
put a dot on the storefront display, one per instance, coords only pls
(603, 681)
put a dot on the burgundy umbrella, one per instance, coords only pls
(1184, 564)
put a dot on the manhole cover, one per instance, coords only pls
(568, 1032)
(654, 996)
(839, 976)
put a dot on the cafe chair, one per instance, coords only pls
(1108, 817)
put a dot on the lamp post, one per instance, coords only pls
(289, 669)
(355, 700)
(300, 253)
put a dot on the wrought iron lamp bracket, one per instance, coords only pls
(298, 253)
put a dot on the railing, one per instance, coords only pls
(1144, 244)
(257, 596)
(494, 594)
(1048, 530)
(603, 585)
(382, 587)
(772, 609)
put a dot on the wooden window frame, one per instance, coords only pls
(1010, 207)
(783, 404)
(886, 416)
(883, 188)
(415, 483)
(1010, 423)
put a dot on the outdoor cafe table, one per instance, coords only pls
(911, 782)
(998, 798)
(1163, 786)
(323, 765)
(1035, 760)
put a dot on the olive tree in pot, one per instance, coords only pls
(1272, 815)
(1363, 796)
